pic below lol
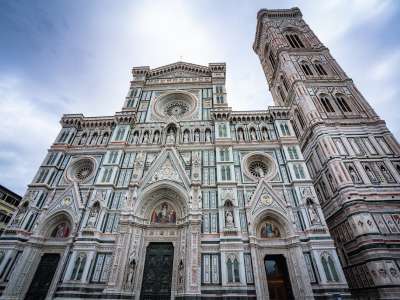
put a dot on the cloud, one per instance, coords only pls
(26, 131)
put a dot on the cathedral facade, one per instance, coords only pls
(177, 196)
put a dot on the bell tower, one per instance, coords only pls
(351, 155)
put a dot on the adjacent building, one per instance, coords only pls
(9, 202)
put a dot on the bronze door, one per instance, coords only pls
(157, 275)
(279, 287)
(43, 277)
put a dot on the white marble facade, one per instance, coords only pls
(229, 190)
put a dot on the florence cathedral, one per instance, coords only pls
(177, 196)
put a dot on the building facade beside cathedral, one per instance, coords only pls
(177, 196)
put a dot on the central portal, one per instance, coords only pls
(157, 275)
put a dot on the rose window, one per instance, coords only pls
(258, 169)
(177, 109)
(82, 169)
(179, 104)
(259, 165)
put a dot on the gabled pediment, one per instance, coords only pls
(179, 70)
(167, 166)
(70, 201)
(264, 198)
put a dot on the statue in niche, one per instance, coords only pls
(61, 231)
(135, 138)
(180, 273)
(170, 136)
(253, 134)
(186, 137)
(146, 138)
(131, 272)
(240, 134)
(94, 212)
(197, 136)
(156, 137)
(229, 219)
(313, 212)
(208, 136)
(163, 214)
(270, 230)
(265, 134)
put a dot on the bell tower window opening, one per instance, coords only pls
(294, 40)
(343, 103)
(326, 104)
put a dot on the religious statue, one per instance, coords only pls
(197, 136)
(145, 138)
(131, 272)
(253, 134)
(265, 134)
(156, 137)
(240, 135)
(135, 138)
(208, 136)
(94, 212)
(186, 137)
(170, 136)
(229, 219)
(180, 273)
(314, 218)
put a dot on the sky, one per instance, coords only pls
(66, 56)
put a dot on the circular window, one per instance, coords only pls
(180, 105)
(258, 169)
(82, 169)
(176, 108)
(259, 165)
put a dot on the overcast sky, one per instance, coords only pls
(75, 57)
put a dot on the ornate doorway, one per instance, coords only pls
(157, 275)
(279, 286)
(43, 276)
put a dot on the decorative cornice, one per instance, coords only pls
(272, 14)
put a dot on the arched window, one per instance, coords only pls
(301, 120)
(326, 103)
(285, 83)
(272, 59)
(232, 266)
(342, 103)
(285, 129)
(294, 40)
(78, 267)
(281, 93)
(225, 173)
(306, 69)
(320, 69)
(329, 268)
